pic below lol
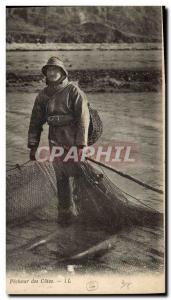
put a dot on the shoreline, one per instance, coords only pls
(82, 46)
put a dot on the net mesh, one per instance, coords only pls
(29, 187)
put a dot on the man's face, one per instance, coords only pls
(53, 73)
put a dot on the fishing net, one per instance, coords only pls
(28, 188)
(103, 210)
(32, 191)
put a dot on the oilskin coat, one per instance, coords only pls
(63, 99)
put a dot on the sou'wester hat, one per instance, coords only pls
(54, 61)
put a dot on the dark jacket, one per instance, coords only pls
(64, 99)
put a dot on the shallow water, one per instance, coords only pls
(95, 59)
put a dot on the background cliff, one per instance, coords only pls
(93, 24)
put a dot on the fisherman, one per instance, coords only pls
(63, 105)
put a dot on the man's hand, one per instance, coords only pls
(80, 151)
(33, 153)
